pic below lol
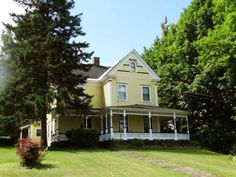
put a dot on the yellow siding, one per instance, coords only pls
(135, 123)
(105, 94)
(33, 130)
(155, 124)
(96, 91)
(115, 123)
(134, 91)
(68, 123)
(134, 81)
(96, 124)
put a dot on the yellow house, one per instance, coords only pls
(125, 106)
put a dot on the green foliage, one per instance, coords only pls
(196, 60)
(42, 52)
(83, 138)
(30, 153)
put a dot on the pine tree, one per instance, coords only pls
(47, 53)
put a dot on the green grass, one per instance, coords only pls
(104, 163)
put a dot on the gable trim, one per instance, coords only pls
(145, 65)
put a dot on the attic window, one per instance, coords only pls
(132, 66)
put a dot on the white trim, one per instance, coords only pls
(175, 128)
(156, 95)
(135, 67)
(126, 90)
(124, 128)
(150, 125)
(111, 124)
(149, 87)
(109, 92)
(106, 124)
(31, 131)
(102, 128)
(86, 122)
(145, 114)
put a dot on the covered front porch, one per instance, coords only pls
(144, 122)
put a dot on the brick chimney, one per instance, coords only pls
(96, 61)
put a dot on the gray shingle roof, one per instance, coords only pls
(96, 71)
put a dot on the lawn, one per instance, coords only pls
(130, 163)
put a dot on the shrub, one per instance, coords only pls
(6, 141)
(29, 152)
(83, 138)
(136, 143)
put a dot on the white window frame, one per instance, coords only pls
(142, 86)
(126, 90)
(135, 65)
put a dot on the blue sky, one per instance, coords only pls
(115, 27)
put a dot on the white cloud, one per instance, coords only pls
(6, 7)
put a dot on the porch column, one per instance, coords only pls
(57, 128)
(106, 124)
(188, 128)
(86, 122)
(21, 134)
(111, 124)
(174, 117)
(101, 124)
(156, 95)
(125, 128)
(150, 125)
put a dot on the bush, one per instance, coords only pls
(60, 145)
(6, 142)
(136, 143)
(83, 138)
(30, 153)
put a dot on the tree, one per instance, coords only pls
(47, 53)
(196, 60)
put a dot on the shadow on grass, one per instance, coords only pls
(77, 150)
(44, 166)
(176, 150)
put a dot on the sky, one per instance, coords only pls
(115, 27)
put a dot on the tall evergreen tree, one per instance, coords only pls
(46, 52)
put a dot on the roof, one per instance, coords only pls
(96, 71)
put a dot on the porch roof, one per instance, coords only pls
(148, 108)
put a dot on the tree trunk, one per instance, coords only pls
(44, 128)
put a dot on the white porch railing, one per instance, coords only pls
(143, 136)
(57, 138)
(105, 137)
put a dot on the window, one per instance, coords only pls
(122, 92)
(145, 93)
(38, 132)
(132, 66)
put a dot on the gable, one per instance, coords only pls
(142, 68)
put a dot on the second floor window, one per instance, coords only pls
(145, 93)
(122, 92)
